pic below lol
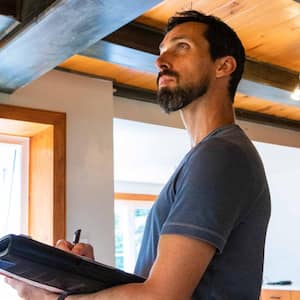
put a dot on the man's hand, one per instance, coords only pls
(29, 292)
(78, 249)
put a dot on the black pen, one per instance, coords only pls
(76, 237)
(282, 282)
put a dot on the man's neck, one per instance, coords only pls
(202, 117)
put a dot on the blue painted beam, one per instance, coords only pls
(67, 27)
(130, 47)
(121, 55)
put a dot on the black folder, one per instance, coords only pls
(56, 270)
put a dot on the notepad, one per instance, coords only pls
(56, 270)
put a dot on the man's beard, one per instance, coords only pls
(173, 99)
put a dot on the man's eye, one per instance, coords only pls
(183, 45)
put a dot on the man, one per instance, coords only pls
(204, 237)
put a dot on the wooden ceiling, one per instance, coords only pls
(269, 30)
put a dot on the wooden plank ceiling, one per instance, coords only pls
(270, 31)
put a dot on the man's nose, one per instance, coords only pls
(163, 61)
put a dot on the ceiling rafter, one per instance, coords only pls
(241, 114)
(136, 46)
(53, 36)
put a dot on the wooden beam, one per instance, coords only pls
(135, 197)
(271, 75)
(7, 24)
(10, 16)
(11, 8)
(136, 46)
(121, 55)
(241, 114)
(65, 28)
(130, 92)
(265, 91)
(270, 120)
(137, 36)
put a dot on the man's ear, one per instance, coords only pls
(225, 66)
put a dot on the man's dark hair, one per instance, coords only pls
(222, 41)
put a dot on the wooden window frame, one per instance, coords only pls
(135, 197)
(58, 122)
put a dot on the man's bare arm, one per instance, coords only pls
(180, 264)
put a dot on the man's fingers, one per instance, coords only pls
(10, 281)
(78, 249)
(27, 291)
(17, 285)
(84, 250)
(64, 245)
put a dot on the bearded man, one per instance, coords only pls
(204, 237)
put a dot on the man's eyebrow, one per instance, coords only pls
(175, 39)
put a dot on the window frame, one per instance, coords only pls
(56, 227)
(133, 200)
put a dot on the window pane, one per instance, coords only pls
(11, 199)
(130, 219)
(10, 188)
(140, 216)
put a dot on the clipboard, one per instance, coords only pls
(55, 270)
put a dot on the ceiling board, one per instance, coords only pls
(267, 107)
(92, 66)
(269, 30)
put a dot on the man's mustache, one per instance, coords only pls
(168, 73)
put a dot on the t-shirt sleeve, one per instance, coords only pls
(211, 193)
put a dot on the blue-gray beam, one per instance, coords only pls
(65, 28)
(136, 46)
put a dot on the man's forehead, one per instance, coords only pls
(188, 28)
(192, 31)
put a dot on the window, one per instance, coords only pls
(130, 218)
(14, 153)
(13, 184)
(47, 133)
(39, 127)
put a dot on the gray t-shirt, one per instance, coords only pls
(218, 194)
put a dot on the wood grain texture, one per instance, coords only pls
(267, 107)
(269, 30)
(135, 197)
(295, 295)
(21, 128)
(54, 144)
(41, 186)
(275, 294)
(106, 70)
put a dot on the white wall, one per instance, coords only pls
(144, 112)
(88, 104)
(151, 113)
(282, 166)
